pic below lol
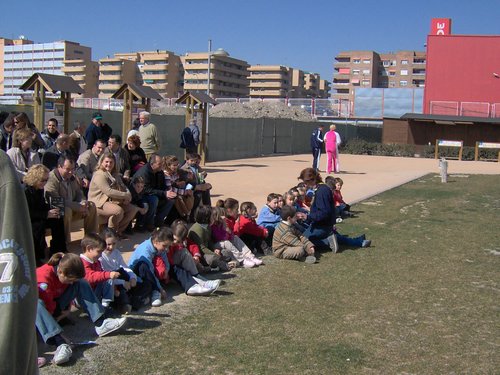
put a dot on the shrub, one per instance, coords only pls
(358, 146)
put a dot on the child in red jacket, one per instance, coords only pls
(251, 234)
(60, 281)
(100, 281)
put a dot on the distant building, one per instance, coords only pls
(21, 58)
(369, 69)
(270, 81)
(161, 70)
(278, 81)
(228, 76)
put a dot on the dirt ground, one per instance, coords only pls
(252, 180)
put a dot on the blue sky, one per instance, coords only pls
(301, 34)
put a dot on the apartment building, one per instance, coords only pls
(270, 81)
(21, 58)
(85, 73)
(115, 71)
(228, 76)
(369, 69)
(162, 70)
(324, 89)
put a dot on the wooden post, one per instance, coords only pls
(476, 152)
(66, 96)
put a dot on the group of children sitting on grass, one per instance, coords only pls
(223, 237)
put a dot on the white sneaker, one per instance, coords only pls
(248, 263)
(212, 284)
(257, 261)
(62, 354)
(156, 298)
(110, 325)
(339, 220)
(105, 303)
(199, 290)
(332, 241)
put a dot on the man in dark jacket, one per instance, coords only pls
(97, 130)
(160, 200)
(316, 145)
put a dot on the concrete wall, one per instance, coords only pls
(230, 138)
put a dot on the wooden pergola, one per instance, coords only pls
(198, 103)
(130, 93)
(40, 83)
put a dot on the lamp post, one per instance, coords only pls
(205, 136)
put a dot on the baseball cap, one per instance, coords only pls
(97, 115)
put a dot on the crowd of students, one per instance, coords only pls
(189, 238)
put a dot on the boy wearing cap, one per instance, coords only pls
(97, 130)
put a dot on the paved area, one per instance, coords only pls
(363, 176)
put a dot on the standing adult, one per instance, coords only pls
(50, 133)
(22, 121)
(195, 130)
(159, 199)
(18, 341)
(121, 156)
(339, 141)
(322, 214)
(78, 143)
(21, 154)
(97, 130)
(331, 151)
(316, 145)
(87, 162)
(62, 183)
(7, 132)
(150, 139)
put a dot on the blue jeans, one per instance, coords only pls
(81, 290)
(183, 277)
(318, 235)
(105, 291)
(349, 241)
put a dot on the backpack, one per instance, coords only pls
(187, 140)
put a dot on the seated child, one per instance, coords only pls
(154, 250)
(144, 216)
(112, 260)
(184, 252)
(100, 281)
(290, 243)
(230, 244)
(200, 234)
(253, 235)
(302, 215)
(269, 215)
(185, 200)
(201, 188)
(342, 209)
(302, 199)
(60, 281)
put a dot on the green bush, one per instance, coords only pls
(358, 146)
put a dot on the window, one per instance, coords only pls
(386, 63)
(365, 82)
(366, 61)
(392, 84)
(356, 61)
(403, 83)
(355, 72)
(366, 71)
(392, 73)
(404, 72)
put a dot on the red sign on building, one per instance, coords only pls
(441, 26)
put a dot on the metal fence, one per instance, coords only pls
(473, 109)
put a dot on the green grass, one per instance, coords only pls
(423, 300)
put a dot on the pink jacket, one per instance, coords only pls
(330, 141)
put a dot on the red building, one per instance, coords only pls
(462, 75)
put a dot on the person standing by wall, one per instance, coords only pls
(316, 145)
(331, 150)
(195, 130)
(97, 130)
(150, 139)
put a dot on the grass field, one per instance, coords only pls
(424, 299)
